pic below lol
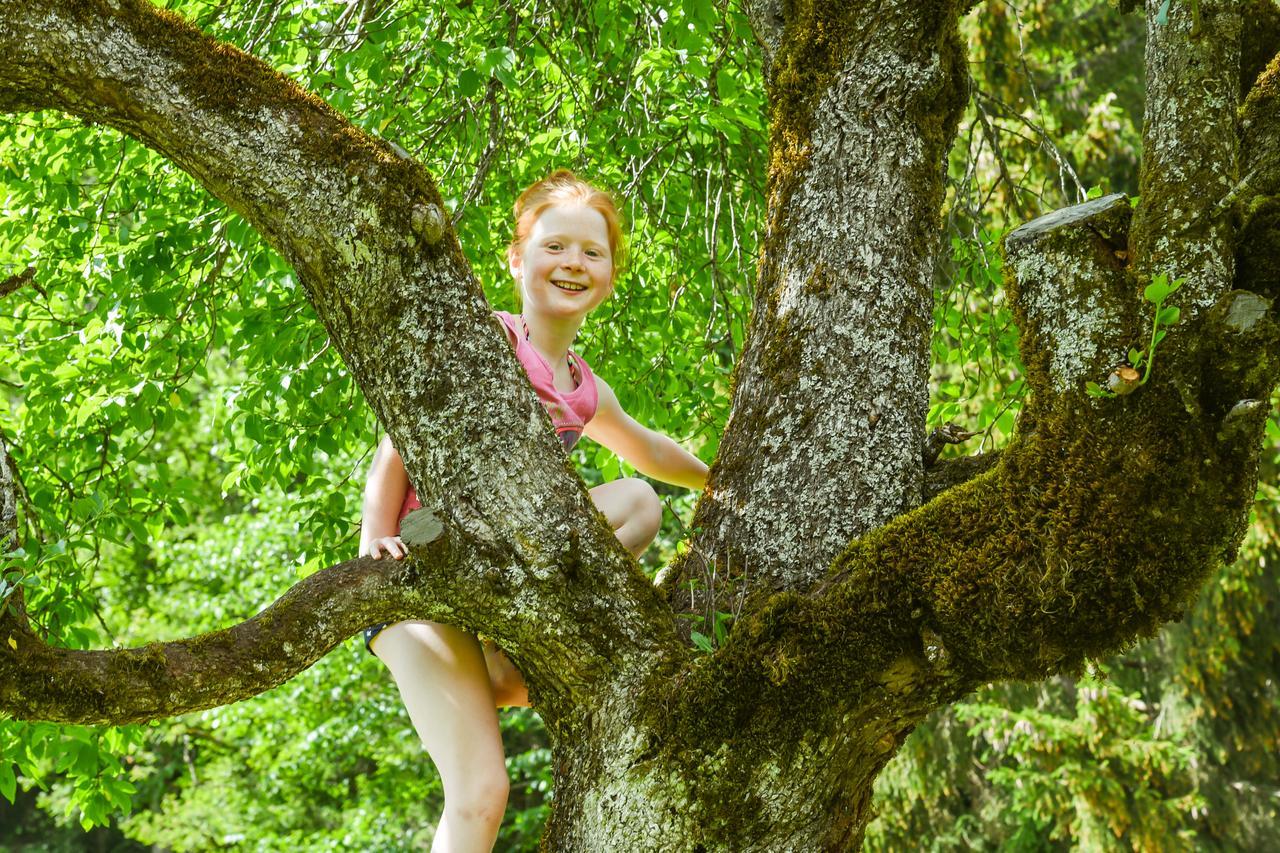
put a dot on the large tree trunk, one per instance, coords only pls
(864, 609)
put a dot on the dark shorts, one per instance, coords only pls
(371, 632)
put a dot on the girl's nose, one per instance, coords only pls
(573, 259)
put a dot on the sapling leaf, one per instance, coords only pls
(1168, 316)
(1158, 337)
(1135, 356)
(701, 641)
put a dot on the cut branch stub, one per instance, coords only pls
(1072, 294)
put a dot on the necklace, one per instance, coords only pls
(568, 357)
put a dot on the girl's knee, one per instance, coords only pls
(482, 796)
(646, 506)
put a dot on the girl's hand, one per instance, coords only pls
(391, 544)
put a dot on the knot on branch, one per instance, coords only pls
(427, 222)
(1067, 274)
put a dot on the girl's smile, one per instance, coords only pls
(565, 267)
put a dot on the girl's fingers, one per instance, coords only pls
(393, 546)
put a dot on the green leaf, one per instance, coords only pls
(8, 782)
(702, 641)
(1168, 316)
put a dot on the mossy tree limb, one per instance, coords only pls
(1190, 147)
(361, 225)
(831, 392)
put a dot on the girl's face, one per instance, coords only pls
(565, 269)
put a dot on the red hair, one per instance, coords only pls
(564, 187)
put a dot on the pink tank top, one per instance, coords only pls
(569, 410)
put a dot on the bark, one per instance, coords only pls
(831, 392)
(1096, 525)
(1189, 147)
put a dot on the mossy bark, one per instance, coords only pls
(1184, 225)
(831, 392)
(1096, 525)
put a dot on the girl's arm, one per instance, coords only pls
(383, 496)
(652, 453)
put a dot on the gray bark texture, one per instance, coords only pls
(864, 606)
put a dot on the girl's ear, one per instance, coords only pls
(513, 264)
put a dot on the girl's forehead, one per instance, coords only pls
(572, 219)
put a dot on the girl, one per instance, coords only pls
(565, 257)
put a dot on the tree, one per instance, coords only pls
(869, 587)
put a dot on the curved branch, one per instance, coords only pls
(364, 228)
(445, 578)
(42, 682)
(1097, 524)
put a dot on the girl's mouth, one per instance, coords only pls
(570, 286)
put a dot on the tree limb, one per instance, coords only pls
(1193, 81)
(16, 282)
(831, 391)
(364, 228)
(1095, 526)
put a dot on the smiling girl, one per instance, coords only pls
(564, 256)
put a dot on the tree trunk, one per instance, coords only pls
(863, 609)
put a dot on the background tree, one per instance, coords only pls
(790, 658)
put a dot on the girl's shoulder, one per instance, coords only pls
(509, 322)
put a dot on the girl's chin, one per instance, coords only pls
(559, 311)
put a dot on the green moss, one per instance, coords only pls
(1260, 40)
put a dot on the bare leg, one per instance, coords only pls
(450, 684)
(444, 683)
(633, 510)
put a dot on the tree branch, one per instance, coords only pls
(41, 682)
(16, 282)
(364, 228)
(1096, 525)
(831, 391)
(1189, 147)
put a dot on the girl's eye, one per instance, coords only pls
(555, 247)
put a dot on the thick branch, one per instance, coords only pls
(445, 579)
(831, 392)
(1189, 147)
(363, 227)
(16, 282)
(1098, 524)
